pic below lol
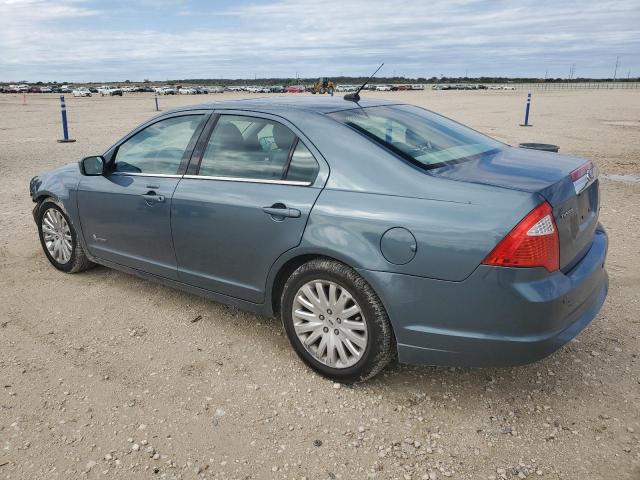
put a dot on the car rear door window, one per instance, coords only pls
(303, 167)
(246, 147)
(159, 148)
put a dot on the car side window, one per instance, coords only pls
(303, 167)
(159, 147)
(247, 147)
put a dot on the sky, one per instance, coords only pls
(92, 41)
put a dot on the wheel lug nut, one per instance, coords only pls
(325, 329)
(336, 331)
(329, 312)
(321, 317)
(338, 320)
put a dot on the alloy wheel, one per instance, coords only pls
(57, 235)
(329, 323)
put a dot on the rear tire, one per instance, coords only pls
(361, 342)
(59, 239)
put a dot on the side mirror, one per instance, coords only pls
(92, 166)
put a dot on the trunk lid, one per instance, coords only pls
(566, 182)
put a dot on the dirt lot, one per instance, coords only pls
(103, 375)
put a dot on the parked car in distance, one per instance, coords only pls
(82, 92)
(110, 91)
(371, 229)
(166, 91)
(276, 89)
(216, 89)
(296, 89)
(187, 91)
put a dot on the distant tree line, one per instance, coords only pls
(344, 80)
(393, 80)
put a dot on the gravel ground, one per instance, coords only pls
(104, 375)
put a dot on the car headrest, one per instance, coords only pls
(282, 136)
(230, 136)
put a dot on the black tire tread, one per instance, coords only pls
(385, 350)
(79, 260)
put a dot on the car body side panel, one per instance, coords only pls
(452, 237)
(223, 239)
(123, 226)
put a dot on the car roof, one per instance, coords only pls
(314, 104)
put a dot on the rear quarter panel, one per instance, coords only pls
(452, 237)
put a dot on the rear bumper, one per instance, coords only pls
(497, 316)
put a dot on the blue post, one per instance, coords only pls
(65, 130)
(526, 112)
(156, 97)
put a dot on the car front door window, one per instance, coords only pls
(159, 148)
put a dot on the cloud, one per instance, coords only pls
(82, 40)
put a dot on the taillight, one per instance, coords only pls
(532, 243)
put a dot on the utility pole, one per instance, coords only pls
(615, 70)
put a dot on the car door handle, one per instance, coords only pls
(153, 198)
(281, 211)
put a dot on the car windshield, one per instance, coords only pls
(424, 138)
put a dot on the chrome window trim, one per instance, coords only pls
(248, 180)
(207, 177)
(136, 174)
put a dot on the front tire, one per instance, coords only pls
(59, 239)
(335, 321)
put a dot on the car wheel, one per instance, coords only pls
(335, 321)
(59, 239)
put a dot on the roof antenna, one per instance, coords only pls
(355, 97)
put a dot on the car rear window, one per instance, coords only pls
(424, 138)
